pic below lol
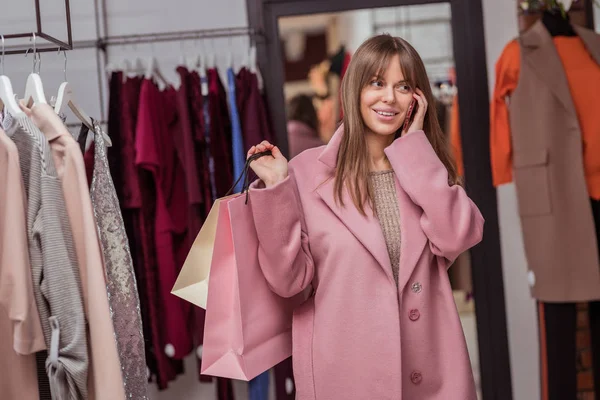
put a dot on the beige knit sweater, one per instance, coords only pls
(386, 208)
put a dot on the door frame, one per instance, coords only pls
(471, 70)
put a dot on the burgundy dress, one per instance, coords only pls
(155, 153)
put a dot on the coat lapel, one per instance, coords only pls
(540, 53)
(412, 238)
(366, 229)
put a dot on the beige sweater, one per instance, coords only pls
(386, 208)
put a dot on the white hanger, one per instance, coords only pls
(152, 71)
(34, 89)
(252, 65)
(229, 62)
(7, 95)
(66, 98)
(202, 72)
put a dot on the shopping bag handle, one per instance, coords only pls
(245, 173)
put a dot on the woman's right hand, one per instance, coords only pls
(270, 169)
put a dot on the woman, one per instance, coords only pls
(370, 223)
(303, 125)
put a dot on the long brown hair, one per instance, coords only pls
(369, 60)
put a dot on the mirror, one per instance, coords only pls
(316, 50)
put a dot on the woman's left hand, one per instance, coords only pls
(419, 117)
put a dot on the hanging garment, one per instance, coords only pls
(121, 283)
(198, 107)
(55, 276)
(138, 217)
(210, 141)
(550, 143)
(253, 111)
(285, 388)
(155, 153)
(203, 155)
(105, 381)
(237, 141)
(20, 325)
(220, 134)
(191, 155)
(139, 223)
(258, 388)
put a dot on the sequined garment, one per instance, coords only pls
(122, 288)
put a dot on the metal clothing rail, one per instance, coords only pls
(122, 40)
(56, 43)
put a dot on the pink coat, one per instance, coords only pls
(359, 337)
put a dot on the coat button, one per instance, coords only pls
(416, 287)
(416, 377)
(414, 315)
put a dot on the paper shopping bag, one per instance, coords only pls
(248, 327)
(192, 282)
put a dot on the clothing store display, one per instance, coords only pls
(138, 215)
(105, 380)
(121, 283)
(156, 153)
(20, 325)
(56, 278)
(548, 145)
(386, 209)
(437, 225)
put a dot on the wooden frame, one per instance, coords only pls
(471, 69)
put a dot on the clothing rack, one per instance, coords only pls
(55, 43)
(123, 40)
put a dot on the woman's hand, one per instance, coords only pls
(419, 118)
(270, 169)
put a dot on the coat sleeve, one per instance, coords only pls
(450, 219)
(283, 251)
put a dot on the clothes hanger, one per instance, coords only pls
(7, 95)
(34, 89)
(254, 68)
(66, 98)
(229, 62)
(153, 71)
(202, 71)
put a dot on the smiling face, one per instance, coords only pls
(385, 100)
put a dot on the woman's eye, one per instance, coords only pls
(404, 88)
(376, 83)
